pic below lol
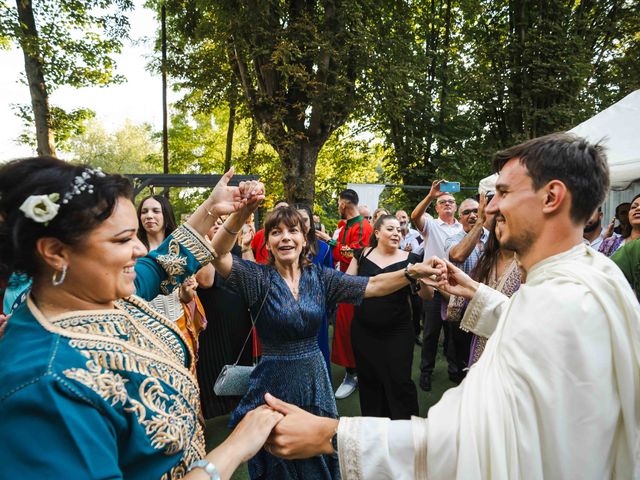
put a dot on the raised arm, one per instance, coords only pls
(186, 250)
(226, 236)
(417, 216)
(460, 252)
(224, 200)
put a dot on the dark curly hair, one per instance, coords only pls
(22, 178)
(291, 218)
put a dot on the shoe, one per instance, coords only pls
(425, 382)
(347, 387)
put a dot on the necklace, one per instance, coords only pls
(294, 289)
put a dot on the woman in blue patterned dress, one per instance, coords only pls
(88, 371)
(296, 296)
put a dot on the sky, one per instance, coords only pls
(139, 99)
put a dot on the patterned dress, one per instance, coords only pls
(292, 367)
(508, 284)
(106, 393)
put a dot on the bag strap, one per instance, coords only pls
(253, 326)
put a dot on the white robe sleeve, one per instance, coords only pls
(484, 311)
(379, 448)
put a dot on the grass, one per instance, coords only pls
(216, 429)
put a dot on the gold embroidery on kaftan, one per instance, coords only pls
(172, 263)
(109, 385)
(139, 340)
(191, 241)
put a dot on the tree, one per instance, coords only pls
(457, 80)
(130, 149)
(64, 42)
(416, 96)
(543, 66)
(298, 65)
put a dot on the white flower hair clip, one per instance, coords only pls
(44, 208)
(41, 208)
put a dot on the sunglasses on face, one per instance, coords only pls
(446, 202)
(470, 211)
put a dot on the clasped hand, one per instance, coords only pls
(289, 432)
(448, 278)
(228, 199)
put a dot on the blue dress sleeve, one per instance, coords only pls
(248, 279)
(325, 254)
(341, 288)
(182, 254)
(76, 440)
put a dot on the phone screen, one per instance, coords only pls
(450, 187)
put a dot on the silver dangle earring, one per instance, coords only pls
(55, 281)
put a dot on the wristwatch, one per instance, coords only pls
(407, 274)
(209, 468)
(334, 441)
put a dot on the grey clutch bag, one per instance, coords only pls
(233, 380)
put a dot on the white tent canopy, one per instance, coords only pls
(618, 129)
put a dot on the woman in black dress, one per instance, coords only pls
(382, 331)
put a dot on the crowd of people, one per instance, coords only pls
(118, 322)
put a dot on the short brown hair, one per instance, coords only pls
(581, 166)
(291, 218)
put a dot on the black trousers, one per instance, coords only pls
(416, 313)
(433, 324)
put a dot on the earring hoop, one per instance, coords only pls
(57, 281)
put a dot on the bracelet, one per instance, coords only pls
(209, 468)
(208, 211)
(228, 230)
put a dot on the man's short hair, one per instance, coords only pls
(581, 166)
(350, 196)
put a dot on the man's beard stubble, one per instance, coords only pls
(591, 228)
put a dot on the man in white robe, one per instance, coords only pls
(556, 393)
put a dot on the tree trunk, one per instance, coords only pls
(33, 63)
(165, 113)
(517, 90)
(231, 125)
(444, 76)
(299, 171)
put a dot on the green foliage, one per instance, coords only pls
(65, 124)
(295, 67)
(344, 159)
(453, 81)
(76, 38)
(130, 149)
(74, 44)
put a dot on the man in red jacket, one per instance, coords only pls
(352, 232)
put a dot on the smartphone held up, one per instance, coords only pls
(450, 187)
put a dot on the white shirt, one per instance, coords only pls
(435, 234)
(596, 242)
(414, 239)
(556, 393)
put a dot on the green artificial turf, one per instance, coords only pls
(216, 429)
